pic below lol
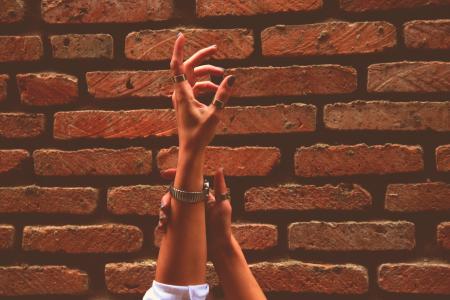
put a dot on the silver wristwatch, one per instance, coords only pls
(190, 197)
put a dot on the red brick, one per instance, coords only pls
(240, 161)
(12, 159)
(157, 45)
(255, 236)
(42, 280)
(142, 123)
(299, 277)
(142, 200)
(12, 11)
(415, 278)
(207, 8)
(351, 236)
(7, 233)
(328, 39)
(409, 77)
(294, 197)
(427, 34)
(388, 115)
(443, 158)
(374, 5)
(105, 238)
(21, 125)
(100, 161)
(49, 200)
(443, 235)
(20, 48)
(106, 11)
(328, 160)
(417, 197)
(78, 46)
(44, 89)
(3, 86)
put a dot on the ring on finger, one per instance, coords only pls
(218, 103)
(178, 78)
(224, 196)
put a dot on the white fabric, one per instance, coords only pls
(162, 291)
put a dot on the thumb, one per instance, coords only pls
(220, 187)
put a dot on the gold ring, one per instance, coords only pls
(178, 78)
(218, 103)
(225, 196)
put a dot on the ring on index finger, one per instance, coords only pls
(218, 103)
(178, 78)
(224, 196)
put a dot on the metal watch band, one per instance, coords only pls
(190, 197)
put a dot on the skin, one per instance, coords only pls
(189, 226)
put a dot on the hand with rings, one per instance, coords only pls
(218, 211)
(196, 121)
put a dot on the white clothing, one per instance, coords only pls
(162, 291)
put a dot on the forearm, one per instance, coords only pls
(234, 273)
(182, 255)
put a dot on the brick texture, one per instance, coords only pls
(327, 39)
(383, 5)
(328, 160)
(12, 159)
(3, 87)
(12, 11)
(106, 11)
(427, 34)
(135, 200)
(105, 238)
(388, 115)
(42, 280)
(53, 200)
(412, 77)
(295, 197)
(415, 278)
(7, 236)
(100, 161)
(207, 8)
(417, 197)
(157, 45)
(351, 236)
(443, 158)
(443, 235)
(21, 125)
(255, 236)
(20, 48)
(242, 161)
(78, 46)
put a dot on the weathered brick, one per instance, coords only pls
(42, 280)
(296, 197)
(443, 235)
(157, 45)
(255, 236)
(388, 115)
(443, 158)
(351, 236)
(100, 161)
(415, 278)
(21, 125)
(12, 159)
(44, 89)
(142, 123)
(106, 11)
(406, 76)
(239, 161)
(3, 86)
(206, 8)
(12, 11)
(20, 48)
(250, 82)
(136, 200)
(299, 277)
(78, 46)
(374, 5)
(328, 39)
(417, 197)
(329, 160)
(105, 238)
(427, 34)
(7, 233)
(49, 200)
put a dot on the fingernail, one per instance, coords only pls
(178, 34)
(221, 170)
(231, 80)
(214, 45)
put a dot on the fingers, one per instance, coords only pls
(223, 94)
(168, 173)
(201, 87)
(178, 55)
(208, 70)
(201, 55)
(164, 212)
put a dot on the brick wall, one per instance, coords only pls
(336, 143)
